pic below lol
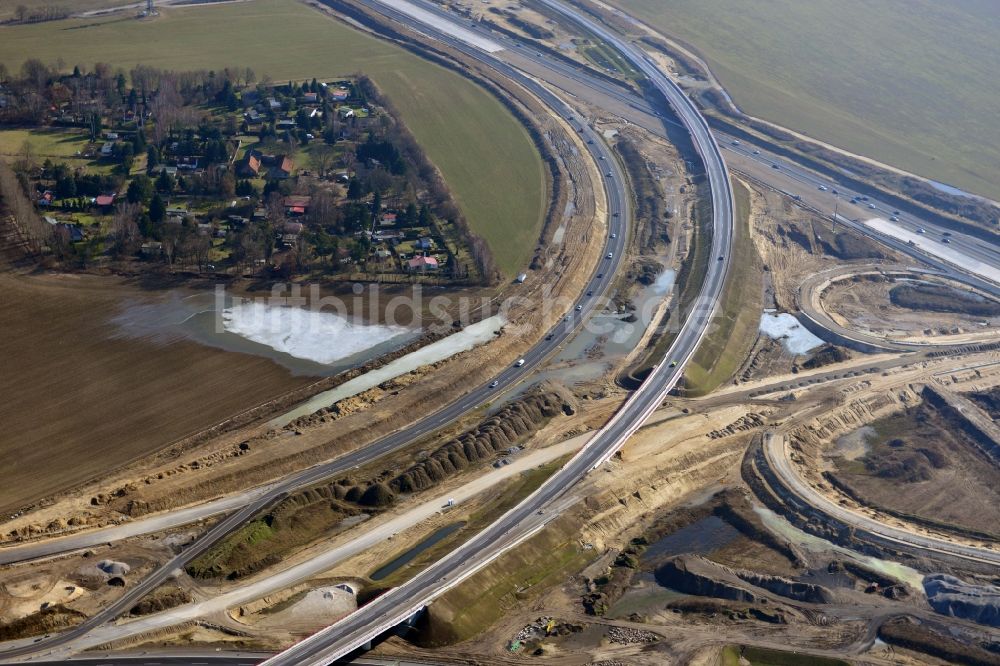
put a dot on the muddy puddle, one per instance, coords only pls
(645, 596)
(794, 535)
(608, 338)
(700, 538)
(854, 444)
(402, 560)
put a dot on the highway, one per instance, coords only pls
(479, 552)
(651, 119)
(401, 603)
(775, 170)
(202, 658)
(619, 208)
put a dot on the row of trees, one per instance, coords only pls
(17, 209)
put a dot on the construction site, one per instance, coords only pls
(821, 484)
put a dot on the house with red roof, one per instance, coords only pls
(422, 264)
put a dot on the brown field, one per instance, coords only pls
(75, 403)
(921, 463)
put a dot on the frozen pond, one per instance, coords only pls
(469, 337)
(306, 342)
(323, 337)
(794, 337)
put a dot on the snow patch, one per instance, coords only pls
(444, 25)
(795, 338)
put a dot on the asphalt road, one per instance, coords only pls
(200, 658)
(619, 206)
(401, 603)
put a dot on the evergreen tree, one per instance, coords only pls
(157, 209)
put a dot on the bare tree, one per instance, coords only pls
(125, 234)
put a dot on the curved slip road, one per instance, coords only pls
(776, 454)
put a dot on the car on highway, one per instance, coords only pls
(921, 230)
(894, 219)
(823, 188)
(600, 275)
(872, 206)
(895, 212)
(600, 157)
(614, 235)
(721, 258)
(673, 364)
(590, 292)
(617, 214)
(756, 152)
(833, 192)
(775, 166)
(945, 240)
(579, 307)
(608, 174)
(610, 255)
(736, 142)
(549, 336)
(519, 363)
(946, 233)
(494, 384)
(590, 141)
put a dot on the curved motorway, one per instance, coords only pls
(619, 205)
(399, 604)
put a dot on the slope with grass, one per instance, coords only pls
(485, 155)
(906, 82)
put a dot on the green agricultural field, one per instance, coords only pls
(486, 156)
(907, 82)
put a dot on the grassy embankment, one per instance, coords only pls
(485, 155)
(505, 499)
(903, 81)
(521, 575)
(734, 330)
